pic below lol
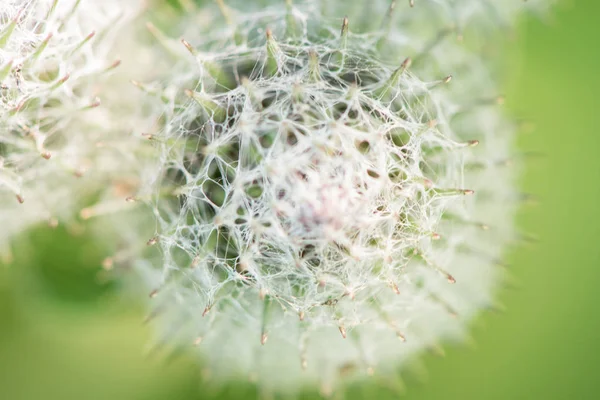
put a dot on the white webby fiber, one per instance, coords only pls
(322, 260)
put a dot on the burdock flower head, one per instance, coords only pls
(328, 183)
(321, 211)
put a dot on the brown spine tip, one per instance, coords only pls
(263, 338)
(153, 293)
(303, 363)
(269, 33)
(472, 143)
(344, 26)
(19, 107)
(86, 213)
(406, 63)
(188, 46)
(342, 331)
(20, 199)
(262, 293)
(115, 64)
(197, 341)
(468, 192)
(206, 310)
(95, 103)
(152, 241)
(108, 263)
(450, 279)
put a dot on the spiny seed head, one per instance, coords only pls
(327, 202)
(318, 206)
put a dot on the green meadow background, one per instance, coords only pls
(66, 334)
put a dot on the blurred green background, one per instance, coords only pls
(68, 336)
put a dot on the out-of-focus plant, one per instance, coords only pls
(54, 57)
